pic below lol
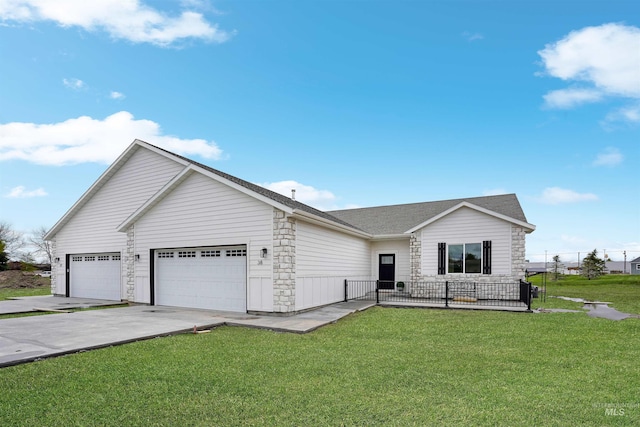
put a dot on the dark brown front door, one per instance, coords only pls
(387, 271)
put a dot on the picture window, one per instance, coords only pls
(465, 258)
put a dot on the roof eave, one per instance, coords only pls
(309, 217)
(155, 199)
(117, 164)
(177, 180)
(379, 237)
(242, 189)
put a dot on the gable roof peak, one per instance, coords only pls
(398, 219)
(255, 188)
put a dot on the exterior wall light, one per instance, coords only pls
(137, 257)
(263, 253)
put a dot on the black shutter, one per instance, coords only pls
(486, 257)
(442, 255)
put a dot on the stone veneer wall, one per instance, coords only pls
(493, 286)
(54, 266)
(415, 257)
(284, 263)
(130, 266)
(518, 252)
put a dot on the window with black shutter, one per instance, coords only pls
(486, 257)
(442, 258)
(465, 258)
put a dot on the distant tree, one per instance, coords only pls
(556, 267)
(592, 266)
(42, 247)
(27, 260)
(13, 240)
(3, 257)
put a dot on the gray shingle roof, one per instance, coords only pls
(379, 220)
(397, 219)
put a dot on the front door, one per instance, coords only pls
(387, 271)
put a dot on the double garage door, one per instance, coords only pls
(210, 278)
(95, 276)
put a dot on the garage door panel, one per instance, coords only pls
(95, 276)
(208, 278)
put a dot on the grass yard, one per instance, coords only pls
(383, 366)
(16, 283)
(26, 292)
(623, 291)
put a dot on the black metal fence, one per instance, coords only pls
(446, 293)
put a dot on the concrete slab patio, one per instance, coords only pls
(49, 302)
(26, 339)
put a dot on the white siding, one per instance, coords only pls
(324, 258)
(260, 293)
(400, 248)
(93, 227)
(467, 226)
(204, 212)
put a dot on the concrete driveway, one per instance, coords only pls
(26, 339)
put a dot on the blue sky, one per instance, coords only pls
(355, 103)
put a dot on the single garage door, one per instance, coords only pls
(95, 276)
(210, 278)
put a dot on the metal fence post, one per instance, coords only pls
(346, 291)
(377, 292)
(446, 294)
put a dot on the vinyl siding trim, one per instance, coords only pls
(528, 227)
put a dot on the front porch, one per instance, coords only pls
(461, 295)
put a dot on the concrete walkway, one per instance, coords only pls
(26, 339)
(49, 302)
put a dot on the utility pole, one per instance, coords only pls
(624, 266)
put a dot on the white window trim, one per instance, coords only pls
(464, 264)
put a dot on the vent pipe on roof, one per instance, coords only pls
(293, 194)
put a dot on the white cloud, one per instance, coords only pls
(605, 58)
(75, 84)
(472, 36)
(320, 199)
(629, 115)
(611, 156)
(116, 95)
(122, 19)
(569, 98)
(20, 192)
(85, 139)
(557, 195)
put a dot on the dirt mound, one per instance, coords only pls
(16, 279)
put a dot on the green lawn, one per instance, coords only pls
(24, 292)
(623, 291)
(384, 366)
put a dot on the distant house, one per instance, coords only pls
(160, 229)
(573, 268)
(635, 266)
